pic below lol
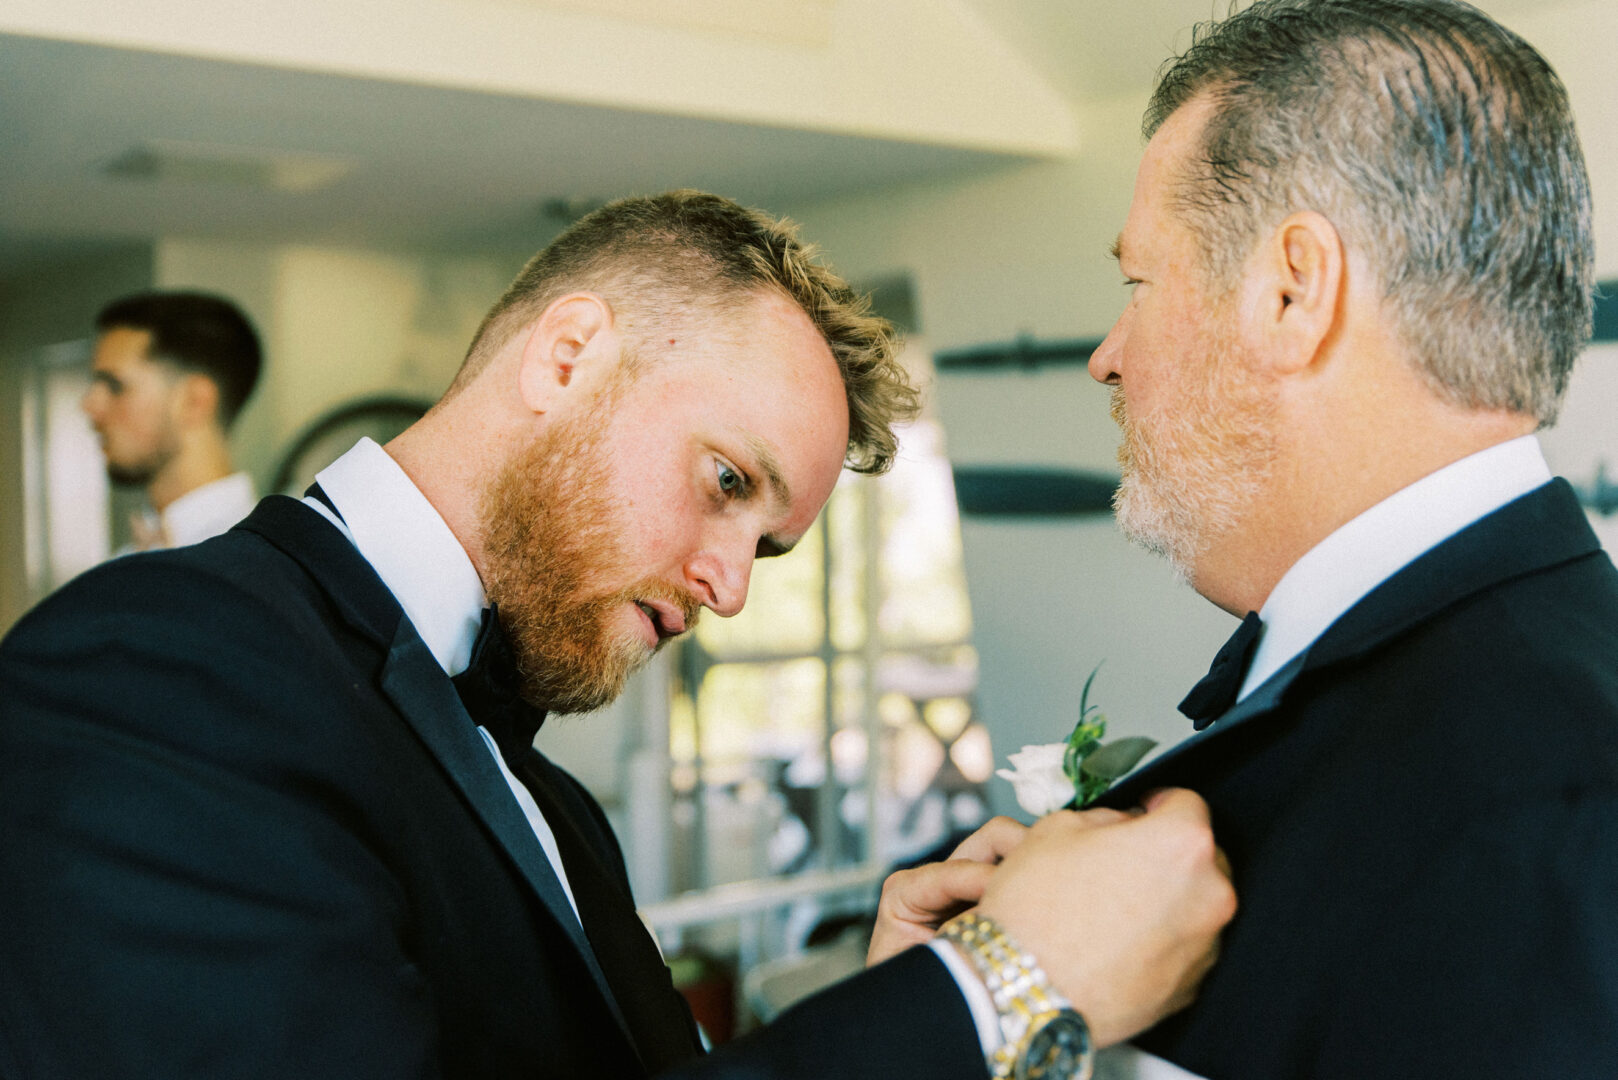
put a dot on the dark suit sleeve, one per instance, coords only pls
(903, 1018)
(180, 894)
(1515, 923)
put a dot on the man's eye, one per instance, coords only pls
(729, 479)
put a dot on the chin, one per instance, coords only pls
(122, 476)
(600, 686)
(1149, 520)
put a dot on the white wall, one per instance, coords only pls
(43, 307)
(1586, 436)
(337, 324)
(922, 70)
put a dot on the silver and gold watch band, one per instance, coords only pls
(1028, 1006)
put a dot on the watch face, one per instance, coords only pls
(1057, 1049)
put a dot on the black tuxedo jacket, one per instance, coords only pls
(247, 830)
(1422, 816)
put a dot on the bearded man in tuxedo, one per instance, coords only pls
(269, 805)
(1361, 265)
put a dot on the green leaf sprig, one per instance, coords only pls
(1091, 765)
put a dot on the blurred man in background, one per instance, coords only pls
(171, 372)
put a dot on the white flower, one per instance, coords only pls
(1036, 774)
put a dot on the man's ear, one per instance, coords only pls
(196, 400)
(574, 338)
(1301, 271)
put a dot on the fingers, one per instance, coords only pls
(1090, 819)
(915, 903)
(932, 893)
(1187, 813)
(996, 839)
(1000, 836)
(1176, 802)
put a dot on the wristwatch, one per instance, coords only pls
(1044, 1036)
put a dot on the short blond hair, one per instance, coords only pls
(657, 259)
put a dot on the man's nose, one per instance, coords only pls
(1104, 361)
(93, 403)
(720, 574)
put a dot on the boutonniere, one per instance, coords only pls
(1073, 774)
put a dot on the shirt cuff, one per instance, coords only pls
(985, 1017)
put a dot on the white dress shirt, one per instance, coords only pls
(418, 558)
(1340, 570)
(195, 516)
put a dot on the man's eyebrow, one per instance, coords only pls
(770, 467)
(770, 546)
(1117, 248)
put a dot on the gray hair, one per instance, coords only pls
(1441, 146)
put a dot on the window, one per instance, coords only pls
(827, 733)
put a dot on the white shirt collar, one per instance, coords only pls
(1362, 554)
(410, 547)
(208, 510)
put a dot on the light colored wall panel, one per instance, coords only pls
(50, 304)
(923, 70)
(338, 324)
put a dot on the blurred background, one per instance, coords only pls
(363, 178)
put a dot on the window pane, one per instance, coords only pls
(923, 580)
(773, 711)
(845, 518)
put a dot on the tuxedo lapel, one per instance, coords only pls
(418, 688)
(1165, 770)
(660, 1022)
(1540, 530)
(425, 697)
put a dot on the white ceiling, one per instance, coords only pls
(433, 166)
(1096, 49)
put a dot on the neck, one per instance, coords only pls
(1337, 464)
(450, 455)
(202, 460)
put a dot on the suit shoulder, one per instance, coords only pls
(225, 588)
(156, 644)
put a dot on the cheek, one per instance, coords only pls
(115, 418)
(133, 423)
(653, 514)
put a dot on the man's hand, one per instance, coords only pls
(1122, 912)
(915, 903)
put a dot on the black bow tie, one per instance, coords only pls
(1217, 691)
(491, 691)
